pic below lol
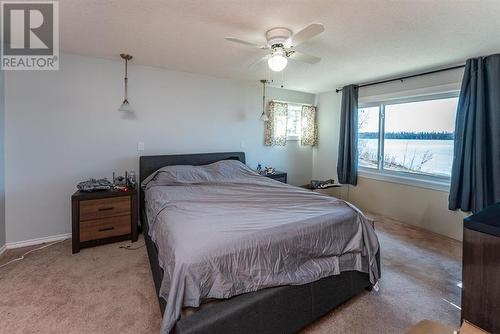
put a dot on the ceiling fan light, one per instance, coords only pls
(277, 62)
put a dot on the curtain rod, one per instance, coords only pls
(290, 102)
(406, 77)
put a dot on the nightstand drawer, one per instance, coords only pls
(102, 208)
(104, 228)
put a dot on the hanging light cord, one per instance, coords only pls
(263, 116)
(126, 79)
(126, 57)
(264, 97)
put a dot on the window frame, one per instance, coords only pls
(436, 182)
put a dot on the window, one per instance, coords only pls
(294, 122)
(410, 138)
(368, 134)
(290, 121)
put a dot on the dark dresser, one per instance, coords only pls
(481, 269)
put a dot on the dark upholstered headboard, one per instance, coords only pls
(150, 164)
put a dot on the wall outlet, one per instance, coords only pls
(243, 144)
(140, 146)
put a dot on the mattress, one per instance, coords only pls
(223, 230)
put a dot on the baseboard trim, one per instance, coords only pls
(3, 249)
(37, 241)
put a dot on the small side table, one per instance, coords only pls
(278, 176)
(103, 217)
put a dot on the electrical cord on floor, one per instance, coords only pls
(131, 248)
(31, 251)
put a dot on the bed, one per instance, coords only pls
(175, 217)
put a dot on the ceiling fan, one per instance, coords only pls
(281, 43)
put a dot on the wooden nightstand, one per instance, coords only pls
(278, 176)
(103, 217)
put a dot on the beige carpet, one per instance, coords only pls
(110, 290)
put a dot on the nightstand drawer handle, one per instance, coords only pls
(106, 229)
(107, 209)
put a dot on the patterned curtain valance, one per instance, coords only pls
(309, 135)
(275, 132)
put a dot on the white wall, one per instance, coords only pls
(421, 207)
(326, 153)
(63, 127)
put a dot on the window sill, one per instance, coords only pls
(292, 138)
(409, 180)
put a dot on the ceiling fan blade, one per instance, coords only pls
(305, 58)
(308, 32)
(240, 41)
(261, 59)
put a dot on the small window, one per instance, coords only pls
(294, 122)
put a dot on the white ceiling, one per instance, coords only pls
(364, 40)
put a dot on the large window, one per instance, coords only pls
(412, 137)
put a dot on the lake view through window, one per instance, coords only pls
(411, 137)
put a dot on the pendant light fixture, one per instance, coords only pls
(126, 107)
(263, 116)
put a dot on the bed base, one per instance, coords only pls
(279, 310)
(285, 309)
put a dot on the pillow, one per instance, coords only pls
(220, 171)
